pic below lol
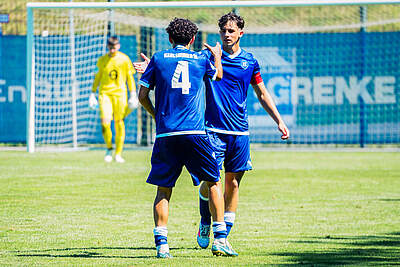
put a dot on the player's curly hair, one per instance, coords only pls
(181, 30)
(231, 17)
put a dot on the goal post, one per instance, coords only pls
(330, 65)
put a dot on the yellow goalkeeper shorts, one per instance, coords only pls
(112, 106)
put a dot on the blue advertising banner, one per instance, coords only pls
(329, 87)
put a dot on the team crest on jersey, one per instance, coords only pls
(244, 64)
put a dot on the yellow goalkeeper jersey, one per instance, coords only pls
(113, 74)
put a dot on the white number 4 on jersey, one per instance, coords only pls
(182, 69)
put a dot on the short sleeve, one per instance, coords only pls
(256, 67)
(148, 77)
(211, 71)
(256, 75)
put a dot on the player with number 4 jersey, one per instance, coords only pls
(180, 104)
(176, 75)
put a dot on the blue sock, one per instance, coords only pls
(228, 227)
(229, 218)
(160, 235)
(204, 210)
(219, 230)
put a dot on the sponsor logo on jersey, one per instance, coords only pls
(113, 74)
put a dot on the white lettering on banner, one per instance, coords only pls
(11, 90)
(384, 90)
(356, 88)
(363, 90)
(43, 91)
(16, 88)
(52, 91)
(342, 88)
(284, 94)
(2, 98)
(301, 86)
(329, 90)
(323, 90)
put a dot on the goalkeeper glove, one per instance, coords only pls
(133, 102)
(93, 101)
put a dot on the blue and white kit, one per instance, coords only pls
(226, 110)
(177, 76)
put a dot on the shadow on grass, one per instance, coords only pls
(389, 199)
(361, 250)
(88, 252)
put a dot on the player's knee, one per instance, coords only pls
(119, 124)
(232, 183)
(204, 190)
(214, 187)
(105, 126)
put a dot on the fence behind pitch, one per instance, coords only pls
(332, 68)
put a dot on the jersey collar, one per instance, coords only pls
(180, 47)
(234, 54)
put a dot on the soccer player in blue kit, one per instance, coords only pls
(176, 76)
(227, 119)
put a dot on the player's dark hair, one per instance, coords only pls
(231, 17)
(181, 30)
(113, 40)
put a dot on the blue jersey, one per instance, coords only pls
(226, 100)
(177, 75)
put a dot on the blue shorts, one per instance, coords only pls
(231, 150)
(171, 153)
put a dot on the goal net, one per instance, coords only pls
(332, 67)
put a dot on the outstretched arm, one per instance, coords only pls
(268, 104)
(217, 53)
(144, 99)
(141, 66)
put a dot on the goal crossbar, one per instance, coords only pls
(197, 4)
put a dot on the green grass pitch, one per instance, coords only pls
(296, 208)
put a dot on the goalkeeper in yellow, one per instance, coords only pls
(115, 71)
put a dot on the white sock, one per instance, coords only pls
(219, 227)
(160, 230)
(229, 217)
